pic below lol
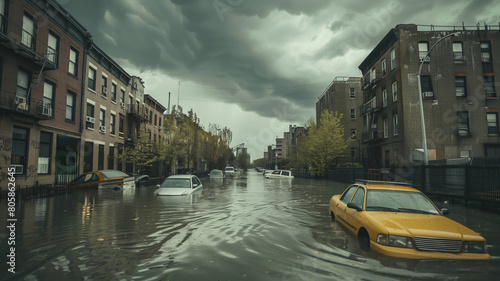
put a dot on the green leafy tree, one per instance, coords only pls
(142, 153)
(323, 143)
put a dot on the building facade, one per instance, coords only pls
(344, 95)
(66, 107)
(458, 85)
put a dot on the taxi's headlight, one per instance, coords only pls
(474, 247)
(395, 241)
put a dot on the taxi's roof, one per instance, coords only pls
(371, 184)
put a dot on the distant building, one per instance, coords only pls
(344, 95)
(459, 95)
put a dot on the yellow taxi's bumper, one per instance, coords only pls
(417, 254)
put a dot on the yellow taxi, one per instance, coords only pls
(397, 220)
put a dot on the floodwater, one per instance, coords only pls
(245, 228)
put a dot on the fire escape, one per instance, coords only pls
(371, 136)
(43, 58)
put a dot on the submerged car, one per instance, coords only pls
(229, 171)
(397, 220)
(216, 174)
(279, 174)
(104, 179)
(179, 185)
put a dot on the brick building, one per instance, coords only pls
(459, 94)
(344, 96)
(66, 107)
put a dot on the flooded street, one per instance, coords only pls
(245, 228)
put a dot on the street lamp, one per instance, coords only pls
(422, 122)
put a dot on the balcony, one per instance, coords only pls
(18, 104)
(369, 107)
(372, 137)
(137, 111)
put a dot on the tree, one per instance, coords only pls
(142, 152)
(174, 146)
(323, 143)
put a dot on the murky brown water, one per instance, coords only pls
(246, 228)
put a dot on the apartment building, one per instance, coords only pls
(107, 103)
(154, 126)
(460, 102)
(66, 107)
(344, 95)
(41, 54)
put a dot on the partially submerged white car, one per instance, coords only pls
(276, 174)
(179, 185)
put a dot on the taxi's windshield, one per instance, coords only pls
(399, 201)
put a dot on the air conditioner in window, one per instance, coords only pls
(47, 111)
(19, 169)
(160, 127)
(90, 119)
(102, 128)
(19, 100)
(122, 104)
(426, 59)
(428, 94)
(104, 90)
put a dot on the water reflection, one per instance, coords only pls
(244, 227)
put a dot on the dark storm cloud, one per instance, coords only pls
(213, 42)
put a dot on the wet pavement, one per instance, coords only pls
(244, 228)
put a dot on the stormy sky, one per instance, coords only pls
(255, 66)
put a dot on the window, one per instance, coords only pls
(111, 158)
(122, 98)
(485, 51)
(492, 119)
(100, 163)
(104, 86)
(426, 84)
(113, 92)
(73, 62)
(53, 48)
(352, 93)
(120, 125)
(159, 121)
(460, 88)
(44, 152)
(112, 124)
(70, 106)
(386, 129)
(92, 75)
(21, 98)
(150, 116)
(394, 91)
(48, 99)
(353, 113)
(384, 67)
(90, 120)
(423, 49)
(373, 75)
(346, 198)
(353, 152)
(384, 98)
(353, 133)
(395, 124)
(2, 17)
(156, 119)
(463, 123)
(489, 87)
(19, 153)
(102, 118)
(393, 59)
(359, 197)
(458, 53)
(28, 38)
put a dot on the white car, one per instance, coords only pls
(279, 174)
(229, 171)
(179, 185)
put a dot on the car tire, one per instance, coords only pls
(332, 216)
(364, 240)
